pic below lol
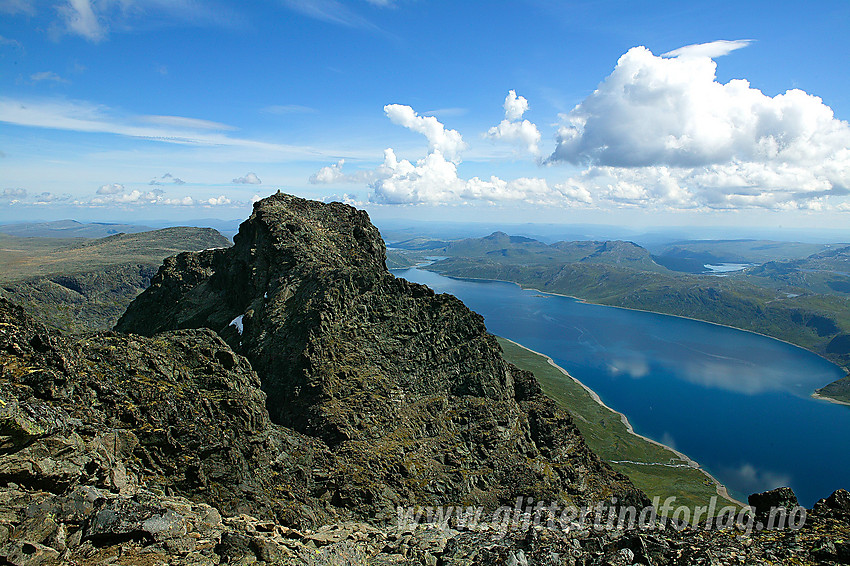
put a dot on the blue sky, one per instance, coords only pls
(506, 111)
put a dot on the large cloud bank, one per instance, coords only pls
(666, 125)
(659, 131)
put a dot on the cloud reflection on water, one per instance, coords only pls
(728, 374)
(750, 479)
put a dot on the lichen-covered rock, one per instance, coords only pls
(182, 413)
(406, 387)
(781, 498)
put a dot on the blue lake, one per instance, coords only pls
(736, 402)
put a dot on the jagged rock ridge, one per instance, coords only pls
(405, 387)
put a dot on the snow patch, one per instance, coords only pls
(237, 322)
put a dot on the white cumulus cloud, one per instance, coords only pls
(448, 142)
(431, 179)
(513, 129)
(329, 174)
(111, 189)
(434, 179)
(248, 179)
(220, 200)
(332, 174)
(665, 130)
(152, 197)
(515, 106)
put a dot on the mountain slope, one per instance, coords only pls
(406, 387)
(132, 450)
(691, 256)
(519, 250)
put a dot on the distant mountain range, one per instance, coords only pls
(691, 256)
(69, 229)
(520, 250)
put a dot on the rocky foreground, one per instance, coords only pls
(277, 401)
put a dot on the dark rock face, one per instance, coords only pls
(779, 498)
(405, 387)
(836, 505)
(774, 507)
(180, 412)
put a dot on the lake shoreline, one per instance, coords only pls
(721, 489)
(820, 397)
(814, 395)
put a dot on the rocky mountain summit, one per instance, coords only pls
(273, 403)
(404, 387)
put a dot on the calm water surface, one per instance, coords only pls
(736, 402)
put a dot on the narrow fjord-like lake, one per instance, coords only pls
(736, 402)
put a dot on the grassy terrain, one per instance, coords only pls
(83, 284)
(654, 469)
(826, 272)
(24, 258)
(17, 254)
(837, 391)
(399, 260)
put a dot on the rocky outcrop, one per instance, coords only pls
(405, 387)
(180, 413)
